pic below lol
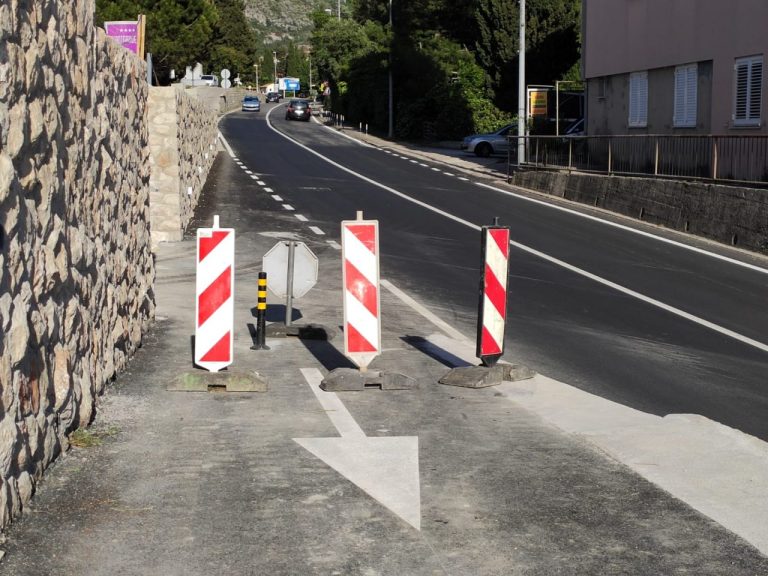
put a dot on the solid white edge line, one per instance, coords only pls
(627, 228)
(627, 291)
(227, 146)
(426, 313)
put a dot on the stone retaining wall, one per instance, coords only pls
(182, 139)
(728, 214)
(76, 269)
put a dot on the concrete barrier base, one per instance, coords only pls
(352, 379)
(483, 376)
(224, 381)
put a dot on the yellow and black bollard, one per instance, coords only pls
(261, 314)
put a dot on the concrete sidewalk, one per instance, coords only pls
(261, 483)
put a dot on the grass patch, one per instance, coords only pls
(85, 438)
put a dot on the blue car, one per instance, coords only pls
(251, 104)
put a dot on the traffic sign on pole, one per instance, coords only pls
(360, 256)
(305, 265)
(493, 297)
(215, 288)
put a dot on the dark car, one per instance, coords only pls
(298, 110)
(274, 97)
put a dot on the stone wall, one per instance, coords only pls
(728, 214)
(182, 139)
(76, 270)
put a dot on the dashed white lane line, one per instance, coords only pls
(277, 198)
(248, 171)
(463, 179)
(300, 217)
(260, 182)
(334, 244)
(422, 164)
(436, 169)
(449, 174)
(288, 207)
(317, 230)
(254, 177)
(268, 189)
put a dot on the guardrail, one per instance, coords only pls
(741, 159)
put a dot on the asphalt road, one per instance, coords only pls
(572, 327)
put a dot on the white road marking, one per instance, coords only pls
(248, 171)
(254, 177)
(288, 207)
(277, 198)
(420, 309)
(448, 174)
(436, 169)
(384, 467)
(334, 244)
(652, 301)
(268, 189)
(317, 230)
(300, 217)
(260, 183)
(422, 164)
(227, 147)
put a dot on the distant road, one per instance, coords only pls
(646, 323)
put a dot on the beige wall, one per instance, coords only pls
(624, 36)
(609, 105)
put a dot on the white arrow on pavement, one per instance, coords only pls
(385, 468)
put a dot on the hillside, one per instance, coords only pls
(274, 20)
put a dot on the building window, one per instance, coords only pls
(638, 100)
(686, 81)
(748, 91)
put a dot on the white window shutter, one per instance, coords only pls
(748, 93)
(638, 99)
(686, 101)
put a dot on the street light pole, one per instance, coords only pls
(390, 130)
(274, 60)
(521, 95)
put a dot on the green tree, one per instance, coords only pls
(552, 43)
(233, 44)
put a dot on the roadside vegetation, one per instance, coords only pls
(454, 64)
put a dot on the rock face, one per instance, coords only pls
(76, 269)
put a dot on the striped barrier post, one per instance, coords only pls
(493, 298)
(360, 255)
(261, 314)
(214, 310)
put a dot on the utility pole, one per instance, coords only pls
(391, 127)
(521, 93)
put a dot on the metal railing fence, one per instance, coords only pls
(710, 157)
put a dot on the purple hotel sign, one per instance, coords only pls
(124, 33)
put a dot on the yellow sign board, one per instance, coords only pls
(538, 102)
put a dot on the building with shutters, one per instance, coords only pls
(675, 66)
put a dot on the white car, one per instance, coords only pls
(486, 144)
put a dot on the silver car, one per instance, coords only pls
(486, 144)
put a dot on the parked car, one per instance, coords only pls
(251, 104)
(298, 110)
(210, 79)
(484, 145)
(274, 97)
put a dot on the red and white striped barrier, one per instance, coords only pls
(360, 254)
(214, 310)
(493, 300)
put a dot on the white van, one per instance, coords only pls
(209, 79)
